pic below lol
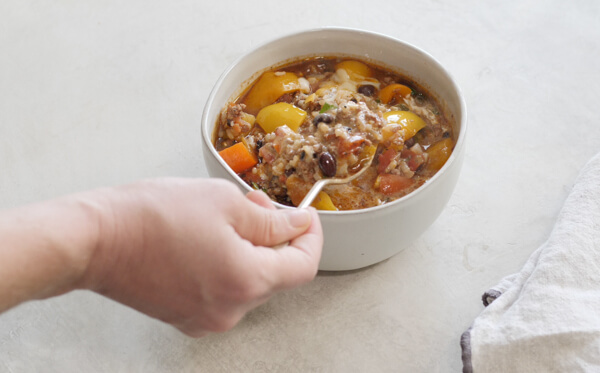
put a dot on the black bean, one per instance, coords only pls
(323, 117)
(259, 144)
(327, 164)
(302, 154)
(290, 171)
(367, 90)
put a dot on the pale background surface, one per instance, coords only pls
(107, 92)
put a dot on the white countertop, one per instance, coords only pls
(106, 92)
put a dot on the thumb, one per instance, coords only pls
(267, 227)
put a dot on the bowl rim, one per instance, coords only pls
(207, 130)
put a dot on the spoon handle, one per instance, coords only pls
(312, 193)
(308, 198)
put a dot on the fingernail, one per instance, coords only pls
(299, 218)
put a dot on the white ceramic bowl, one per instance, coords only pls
(354, 239)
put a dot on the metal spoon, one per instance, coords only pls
(316, 188)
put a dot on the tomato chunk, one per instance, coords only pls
(390, 183)
(385, 159)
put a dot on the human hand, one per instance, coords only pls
(197, 253)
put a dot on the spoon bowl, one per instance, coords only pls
(316, 188)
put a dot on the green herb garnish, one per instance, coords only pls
(326, 107)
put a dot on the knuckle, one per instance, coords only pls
(194, 333)
(223, 323)
(226, 194)
(239, 286)
(307, 271)
(244, 292)
(309, 275)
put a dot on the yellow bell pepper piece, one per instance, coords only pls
(279, 114)
(439, 154)
(268, 88)
(411, 123)
(387, 94)
(355, 69)
(323, 202)
(310, 98)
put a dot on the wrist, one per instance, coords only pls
(86, 216)
(114, 230)
(46, 248)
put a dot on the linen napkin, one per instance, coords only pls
(546, 318)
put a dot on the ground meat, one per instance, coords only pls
(235, 123)
(288, 97)
(344, 125)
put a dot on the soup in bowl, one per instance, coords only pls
(317, 104)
